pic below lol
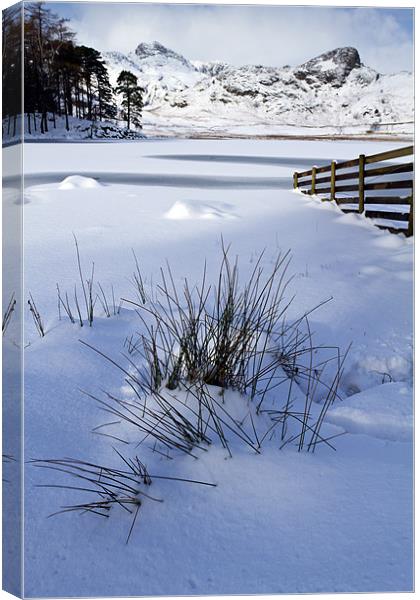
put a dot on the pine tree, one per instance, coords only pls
(105, 106)
(132, 101)
(60, 76)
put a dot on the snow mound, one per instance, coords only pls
(76, 182)
(369, 370)
(384, 412)
(194, 209)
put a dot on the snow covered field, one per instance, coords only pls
(279, 521)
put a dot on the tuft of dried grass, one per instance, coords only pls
(107, 487)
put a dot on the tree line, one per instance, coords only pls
(60, 77)
(12, 66)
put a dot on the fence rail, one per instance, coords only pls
(360, 181)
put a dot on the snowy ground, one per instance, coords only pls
(240, 124)
(281, 521)
(79, 129)
(247, 124)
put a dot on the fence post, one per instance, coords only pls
(295, 180)
(333, 180)
(362, 160)
(313, 180)
(410, 230)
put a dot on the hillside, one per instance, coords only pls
(334, 90)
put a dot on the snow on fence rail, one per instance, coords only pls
(376, 181)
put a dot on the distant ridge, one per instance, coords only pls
(333, 89)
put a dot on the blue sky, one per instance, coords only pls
(272, 35)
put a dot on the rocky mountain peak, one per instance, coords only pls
(156, 49)
(330, 67)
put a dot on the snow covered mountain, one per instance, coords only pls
(333, 90)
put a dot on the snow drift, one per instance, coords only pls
(73, 182)
(194, 209)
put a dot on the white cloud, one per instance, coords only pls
(248, 34)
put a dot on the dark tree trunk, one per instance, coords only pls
(66, 114)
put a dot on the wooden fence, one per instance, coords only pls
(326, 181)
